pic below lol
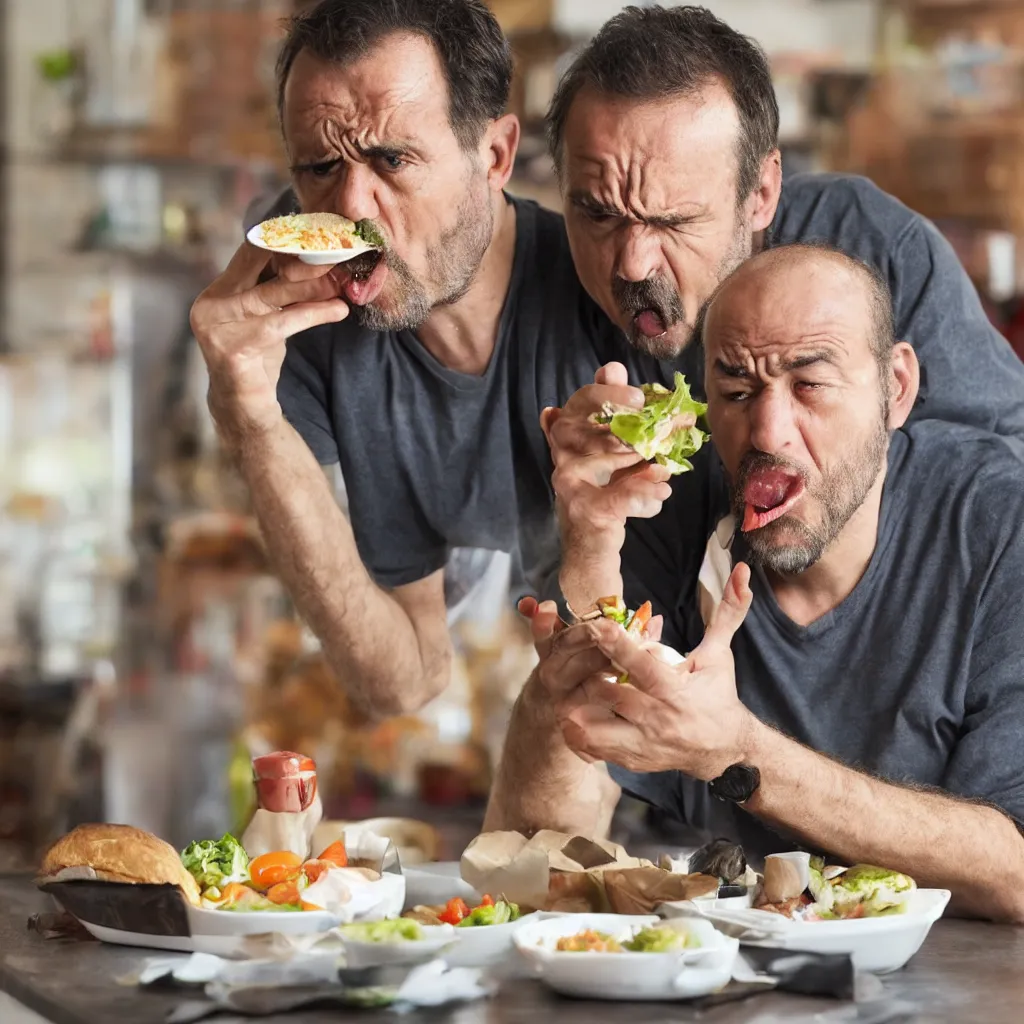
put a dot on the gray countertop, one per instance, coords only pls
(966, 972)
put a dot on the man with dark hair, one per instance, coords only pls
(877, 625)
(665, 136)
(423, 378)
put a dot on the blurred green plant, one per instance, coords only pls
(57, 65)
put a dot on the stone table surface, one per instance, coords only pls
(965, 972)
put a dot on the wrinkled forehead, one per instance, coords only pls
(771, 307)
(397, 85)
(664, 151)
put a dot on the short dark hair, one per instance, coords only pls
(651, 53)
(883, 319)
(475, 55)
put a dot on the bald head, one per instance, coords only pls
(800, 276)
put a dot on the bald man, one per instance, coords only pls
(849, 593)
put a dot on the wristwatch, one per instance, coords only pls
(737, 784)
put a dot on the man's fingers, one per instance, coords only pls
(242, 272)
(278, 293)
(654, 628)
(646, 672)
(295, 319)
(729, 615)
(548, 418)
(544, 619)
(612, 373)
(591, 733)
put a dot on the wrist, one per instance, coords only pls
(239, 429)
(590, 567)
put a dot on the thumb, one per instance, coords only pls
(729, 615)
(548, 418)
(545, 623)
(612, 373)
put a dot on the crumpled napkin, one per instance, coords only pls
(289, 978)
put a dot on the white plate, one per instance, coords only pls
(630, 976)
(485, 945)
(259, 922)
(255, 236)
(876, 944)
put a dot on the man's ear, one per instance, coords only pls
(498, 149)
(764, 199)
(905, 383)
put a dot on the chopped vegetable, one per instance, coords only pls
(273, 868)
(665, 430)
(214, 864)
(399, 930)
(491, 913)
(588, 941)
(455, 910)
(335, 853)
(285, 892)
(661, 939)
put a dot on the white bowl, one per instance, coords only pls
(434, 884)
(683, 974)
(379, 954)
(485, 945)
(876, 944)
(255, 236)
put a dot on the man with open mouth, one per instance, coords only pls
(848, 595)
(421, 375)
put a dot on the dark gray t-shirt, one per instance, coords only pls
(435, 460)
(918, 676)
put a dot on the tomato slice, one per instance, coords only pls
(274, 868)
(336, 854)
(284, 892)
(455, 911)
(487, 901)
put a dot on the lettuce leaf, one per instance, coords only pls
(215, 863)
(665, 430)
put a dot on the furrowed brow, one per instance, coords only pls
(737, 370)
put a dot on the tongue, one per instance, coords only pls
(769, 494)
(363, 291)
(649, 323)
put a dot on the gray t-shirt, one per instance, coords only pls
(918, 676)
(435, 460)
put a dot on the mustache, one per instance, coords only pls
(653, 293)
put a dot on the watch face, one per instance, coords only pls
(737, 783)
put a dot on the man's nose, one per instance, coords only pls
(639, 255)
(356, 197)
(771, 420)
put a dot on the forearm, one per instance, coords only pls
(541, 783)
(590, 568)
(941, 842)
(383, 660)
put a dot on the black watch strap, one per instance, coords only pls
(737, 784)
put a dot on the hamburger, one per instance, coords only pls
(117, 853)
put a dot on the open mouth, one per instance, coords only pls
(650, 323)
(768, 495)
(366, 277)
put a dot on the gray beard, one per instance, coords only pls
(840, 495)
(455, 260)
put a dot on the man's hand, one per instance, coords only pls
(686, 717)
(598, 480)
(242, 325)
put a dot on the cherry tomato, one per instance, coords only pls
(274, 868)
(336, 854)
(487, 902)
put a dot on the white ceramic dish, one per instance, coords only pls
(876, 944)
(257, 922)
(626, 976)
(376, 954)
(485, 945)
(255, 236)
